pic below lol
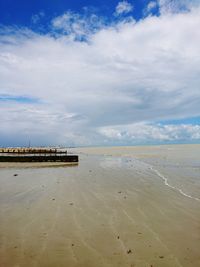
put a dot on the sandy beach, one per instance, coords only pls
(120, 206)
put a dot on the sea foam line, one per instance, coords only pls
(171, 186)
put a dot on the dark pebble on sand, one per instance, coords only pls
(53, 198)
(129, 251)
(118, 237)
(161, 257)
(15, 174)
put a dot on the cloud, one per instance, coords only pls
(177, 6)
(148, 133)
(78, 26)
(152, 5)
(123, 7)
(120, 74)
(37, 17)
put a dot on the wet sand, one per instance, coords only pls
(118, 207)
(20, 165)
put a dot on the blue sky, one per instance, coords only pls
(20, 12)
(99, 72)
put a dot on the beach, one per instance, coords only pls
(120, 206)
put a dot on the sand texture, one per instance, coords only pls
(128, 207)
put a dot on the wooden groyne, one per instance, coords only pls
(40, 158)
(21, 150)
(36, 155)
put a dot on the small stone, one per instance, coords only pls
(119, 192)
(161, 257)
(118, 237)
(15, 174)
(72, 245)
(129, 251)
(71, 203)
(53, 198)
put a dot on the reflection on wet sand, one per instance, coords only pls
(37, 164)
(107, 211)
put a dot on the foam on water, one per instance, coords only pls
(171, 186)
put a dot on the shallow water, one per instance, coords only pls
(110, 210)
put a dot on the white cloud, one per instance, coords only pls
(144, 132)
(177, 6)
(123, 7)
(127, 72)
(150, 7)
(77, 25)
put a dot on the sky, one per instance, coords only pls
(99, 73)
